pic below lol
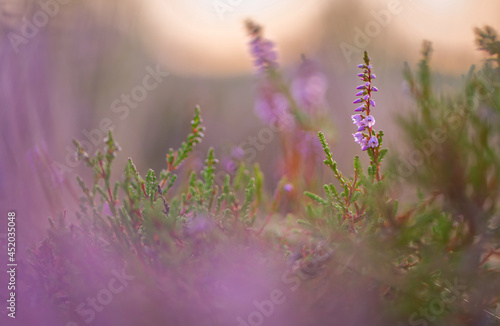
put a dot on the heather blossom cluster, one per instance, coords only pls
(271, 105)
(263, 50)
(365, 135)
(293, 107)
(275, 100)
(309, 86)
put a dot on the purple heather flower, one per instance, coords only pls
(360, 74)
(309, 85)
(270, 105)
(372, 102)
(373, 142)
(237, 153)
(356, 101)
(366, 97)
(229, 165)
(263, 52)
(360, 93)
(369, 121)
(373, 76)
(363, 144)
(360, 108)
(361, 87)
(358, 137)
(288, 187)
(361, 65)
(356, 119)
(375, 89)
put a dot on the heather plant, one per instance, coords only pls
(294, 109)
(455, 228)
(131, 223)
(347, 206)
(433, 260)
(359, 254)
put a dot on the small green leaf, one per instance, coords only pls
(315, 198)
(383, 153)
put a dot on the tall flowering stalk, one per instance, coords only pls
(293, 108)
(365, 135)
(262, 50)
(272, 104)
(265, 59)
(352, 204)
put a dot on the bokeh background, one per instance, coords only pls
(59, 81)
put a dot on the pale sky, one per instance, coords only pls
(206, 37)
